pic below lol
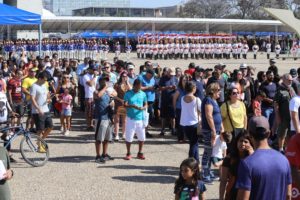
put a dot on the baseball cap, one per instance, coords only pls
(130, 67)
(243, 66)
(172, 71)
(293, 72)
(93, 67)
(258, 127)
(199, 69)
(150, 71)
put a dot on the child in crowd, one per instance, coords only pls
(188, 186)
(256, 104)
(66, 101)
(219, 151)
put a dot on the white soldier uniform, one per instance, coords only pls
(202, 48)
(192, 50)
(160, 50)
(197, 50)
(227, 50)
(166, 51)
(239, 49)
(277, 50)
(255, 49)
(207, 50)
(245, 50)
(155, 51)
(186, 49)
(138, 50)
(268, 47)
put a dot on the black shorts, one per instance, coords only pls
(18, 108)
(29, 110)
(42, 122)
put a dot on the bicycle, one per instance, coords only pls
(33, 148)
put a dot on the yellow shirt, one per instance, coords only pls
(237, 116)
(27, 83)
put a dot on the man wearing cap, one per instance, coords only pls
(218, 78)
(89, 83)
(26, 85)
(131, 75)
(284, 94)
(167, 85)
(268, 47)
(265, 174)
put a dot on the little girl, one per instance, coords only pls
(188, 186)
(66, 113)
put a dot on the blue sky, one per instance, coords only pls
(153, 3)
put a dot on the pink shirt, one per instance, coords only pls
(66, 98)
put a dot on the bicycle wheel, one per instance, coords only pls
(34, 150)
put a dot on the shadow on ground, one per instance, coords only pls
(157, 174)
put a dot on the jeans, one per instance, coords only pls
(179, 131)
(191, 134)
(206, 154)
(150, 111)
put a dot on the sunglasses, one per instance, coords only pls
(235, 93)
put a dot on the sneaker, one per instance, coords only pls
(162, 133)
(100, 159)
(148, 135)
(107, 157)
(215, 178)
(173, 131)
(117, 138)
(61, 129)
(67, 132)
(12, 160)
(208, 181)
(141, 156)
(41, 149)
(128, 157)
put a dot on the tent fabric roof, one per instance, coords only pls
(286, 17)
(13, 16)
(60, 23)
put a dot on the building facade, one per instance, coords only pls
(66, 7)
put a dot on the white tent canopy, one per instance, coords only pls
(78, 24)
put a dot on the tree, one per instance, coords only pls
(206, 9)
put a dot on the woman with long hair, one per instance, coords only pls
(211, 126)
(121, 87)
(242, 147)
(234, 114)
(180, 92)
(65, 83)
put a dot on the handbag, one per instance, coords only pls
(121, 110)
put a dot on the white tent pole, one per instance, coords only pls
(40, 39)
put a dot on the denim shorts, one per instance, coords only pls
(66, 112)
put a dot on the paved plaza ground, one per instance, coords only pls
(71, 172)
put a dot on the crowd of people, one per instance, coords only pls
(241, 119)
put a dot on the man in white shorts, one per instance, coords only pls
(135, 101)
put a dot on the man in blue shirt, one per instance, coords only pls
(266, 173)
(135, 101)
(148, 86)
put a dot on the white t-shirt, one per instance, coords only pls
(3, 107)
(89, 90)
(189, 113)
(294, 106)
(40, 93)
(218, 148)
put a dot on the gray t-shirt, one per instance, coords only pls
(40, 93)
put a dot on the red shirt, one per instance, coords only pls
(15, 86)
(293, 155)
